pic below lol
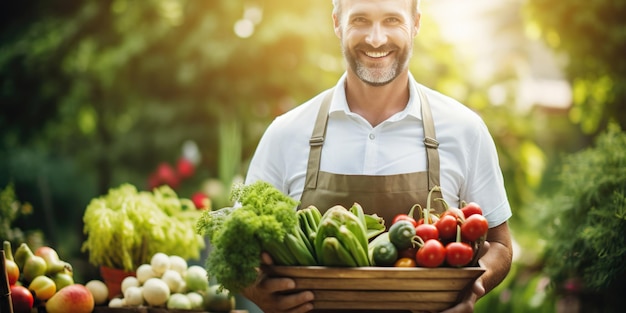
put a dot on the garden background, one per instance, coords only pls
(96, 93)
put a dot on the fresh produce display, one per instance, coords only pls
(126, 227)
(448, 239)
(267, 220)
(41, 279)
(168, 282)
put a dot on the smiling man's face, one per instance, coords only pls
(377, 37)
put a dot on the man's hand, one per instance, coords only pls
(495, 257)
(473, 294)
(272, 295)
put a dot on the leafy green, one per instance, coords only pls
(126, 227)
(238, 236)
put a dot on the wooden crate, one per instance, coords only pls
(142, 309)
(381, 288)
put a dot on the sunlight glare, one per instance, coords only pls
(244, 28)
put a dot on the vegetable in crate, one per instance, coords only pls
(342, 239)
(238, 236)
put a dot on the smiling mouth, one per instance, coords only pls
(377, 54)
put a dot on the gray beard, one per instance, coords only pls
(377, 76)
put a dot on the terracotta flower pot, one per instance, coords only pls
(113, 278)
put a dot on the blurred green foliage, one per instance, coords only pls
(586, 221)
(96, 93)
(591, 34)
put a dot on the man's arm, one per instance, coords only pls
(497, 260)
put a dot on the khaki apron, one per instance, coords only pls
(386, 196)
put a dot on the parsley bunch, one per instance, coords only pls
(238, 235)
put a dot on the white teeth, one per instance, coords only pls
(376, 54)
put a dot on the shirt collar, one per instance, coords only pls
(413, 108)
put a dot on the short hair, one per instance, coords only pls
(337, 6)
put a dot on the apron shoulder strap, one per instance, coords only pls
(430, 141)
(317, 140)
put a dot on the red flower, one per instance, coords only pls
(165, 174)
(185, 168)
(201, 200)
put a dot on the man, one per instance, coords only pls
(381, 139)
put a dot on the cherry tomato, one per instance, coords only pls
(471, 209)
(408, 253)
(432, 220)
(474, 227)
(446, 226)
(456, 212)
(405, 262)
(431, 254)
(459, 254)
(427, 231)
(407, 217)
(404, 217)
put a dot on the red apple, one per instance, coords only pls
(22, 299)
(76, 296)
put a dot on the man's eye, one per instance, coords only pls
(393, 20)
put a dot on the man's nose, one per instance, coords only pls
(376, 36)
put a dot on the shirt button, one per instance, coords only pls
(372, 136)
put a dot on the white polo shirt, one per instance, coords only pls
(469, 162)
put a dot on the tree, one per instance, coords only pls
(591, 35)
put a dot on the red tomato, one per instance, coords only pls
(405, 262)
(459, 254)
(446, 226)
(471, 209)
(22, 299)
(408, 253)
(431, 254)
(474, 227)
(432, 220)
(427, 231)
(404, 217)
(456, 212)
